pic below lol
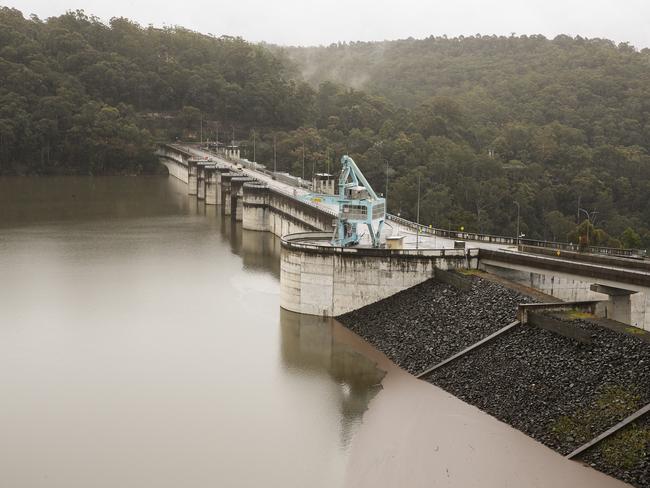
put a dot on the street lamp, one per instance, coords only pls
(518, 213)
(386, 193)
(417, 235)
(303, 159)
(589, 221)
(275, 156)
(254, 155)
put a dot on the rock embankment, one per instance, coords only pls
(559, 390)
(426, 324)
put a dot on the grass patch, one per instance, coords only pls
(615, 402)
(635, 330)
(626, 448)
(575, 314)
(470, 272)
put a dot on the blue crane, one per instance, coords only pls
(357, 204)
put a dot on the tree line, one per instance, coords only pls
(556, 131)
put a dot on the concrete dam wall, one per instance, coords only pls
(317, 279)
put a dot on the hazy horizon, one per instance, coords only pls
(283, 24)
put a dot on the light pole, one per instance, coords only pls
(275, 156)
(518, 212)
(417, 235)
(589, 221)
(303, 160)
(254, 158)
(386, 193)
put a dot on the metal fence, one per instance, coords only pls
(494, 239)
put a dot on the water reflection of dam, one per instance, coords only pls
(310, 345)
(260, 251)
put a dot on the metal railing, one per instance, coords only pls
(307, 240)
(494, 239)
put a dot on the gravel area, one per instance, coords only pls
(426, 324)
(637, 468)
(559, 391)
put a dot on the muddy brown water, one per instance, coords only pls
(142, 345)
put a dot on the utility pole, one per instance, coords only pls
(417, 236)
(233, 136)
(217, 141)
(254, 158)
(201, 128)
(303, 160)
(589, 221)
(518, 211)
(275, 157)
(386, 193)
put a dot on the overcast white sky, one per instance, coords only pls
(312, 22)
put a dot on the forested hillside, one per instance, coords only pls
(482, 122)
(555, 125)
(71, 88)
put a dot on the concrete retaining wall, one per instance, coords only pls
(200, 183)
(268, 210)
(211, 186)
(236, 196)
(330, 281)
(572, 287)
(192, 178)
(176, 169)
(255, 207)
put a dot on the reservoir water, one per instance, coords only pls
(142, 346)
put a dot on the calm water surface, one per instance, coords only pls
(142, 345)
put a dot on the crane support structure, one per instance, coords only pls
(358, 204)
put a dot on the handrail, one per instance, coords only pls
(303, 240)
(472, 236)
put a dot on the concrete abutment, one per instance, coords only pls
(330, 281)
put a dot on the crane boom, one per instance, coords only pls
(358, 204)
